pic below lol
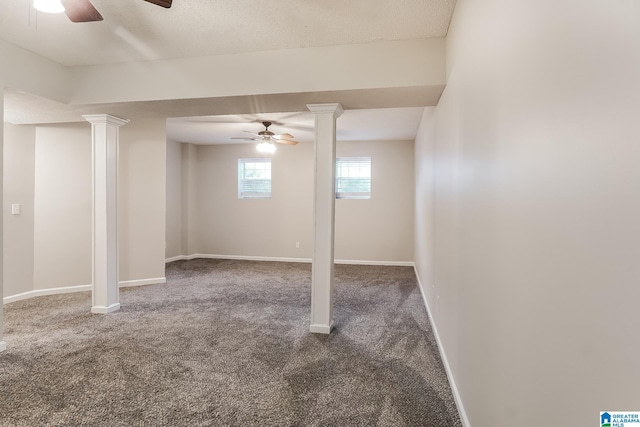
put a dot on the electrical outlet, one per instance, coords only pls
(297, 245)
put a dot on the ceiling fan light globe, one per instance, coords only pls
(48, 6)
(266, 147)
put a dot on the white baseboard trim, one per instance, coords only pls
(283, 259)
(443, 356)
(42, 292)
(248, 258)
(238, 257)
(364, 262)
(100, 309)
(321, 329)
(142, 282)
(3, 346)
(79, 288)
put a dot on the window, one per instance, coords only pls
(254, 178)
(353, 178)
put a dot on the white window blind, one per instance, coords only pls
(353, 178)
(254, 178)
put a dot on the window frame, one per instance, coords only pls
(352, 195)
(242, 194)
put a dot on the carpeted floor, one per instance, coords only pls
(227, 343)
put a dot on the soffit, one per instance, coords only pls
(367, 121)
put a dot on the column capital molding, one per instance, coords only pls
(98, 119)
(335, 109)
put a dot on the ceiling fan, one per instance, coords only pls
(81, 10)
(268, 139)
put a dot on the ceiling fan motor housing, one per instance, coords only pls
(266, 131)
(266, 136)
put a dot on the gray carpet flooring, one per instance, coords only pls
(226, 343)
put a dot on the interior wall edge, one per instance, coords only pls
(452, 383)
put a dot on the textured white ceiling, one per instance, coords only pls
(383, 124)
(135, 30)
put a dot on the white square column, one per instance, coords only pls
(105, 131)
(324, 199)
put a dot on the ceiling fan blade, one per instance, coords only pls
(246, 131)
(283, 136)
(286, 141)
(302, 127)
(81, 11)
(247, 139)
(164, 3)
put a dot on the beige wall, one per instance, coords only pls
(537, 200)
(62, 219)
(260, 227)
(2, 344)
(142, 199)
(19, 185)
(424, 248)
(182, 186)
(174, 204)
(189, 199)
(379, 229)
(49, 245)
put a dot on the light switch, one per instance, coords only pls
(15, 209)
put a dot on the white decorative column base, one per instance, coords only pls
(3, 346)
(321, 329)
(105, 310)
